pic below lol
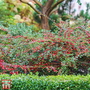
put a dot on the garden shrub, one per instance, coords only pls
(44, 51)
(34, 82)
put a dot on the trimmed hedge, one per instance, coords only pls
(34, 82)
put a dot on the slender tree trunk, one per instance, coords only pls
(46, 11)
(44, 23)
(44, 20)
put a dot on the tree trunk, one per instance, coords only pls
(45, 16)
(44, 23)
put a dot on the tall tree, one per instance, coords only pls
(46, 10)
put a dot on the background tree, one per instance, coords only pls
(46, 10)
(53, 18)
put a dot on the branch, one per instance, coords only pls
(58, 2)
(48, 6)
(38, 3)
(54, 10)
(31, 6)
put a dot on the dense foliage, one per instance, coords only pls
(44, 51)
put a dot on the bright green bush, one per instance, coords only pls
(34, 82)
(6, 16)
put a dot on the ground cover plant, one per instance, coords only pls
(44, 51)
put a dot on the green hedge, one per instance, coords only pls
(34, 82)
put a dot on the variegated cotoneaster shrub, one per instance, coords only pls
(44, 51)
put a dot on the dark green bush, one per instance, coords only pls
(34, 82)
